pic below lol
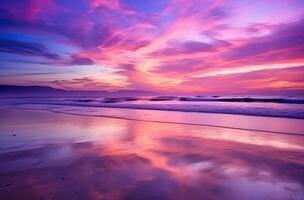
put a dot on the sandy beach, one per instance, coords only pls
(47, 155)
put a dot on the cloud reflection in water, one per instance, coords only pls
(101, 158)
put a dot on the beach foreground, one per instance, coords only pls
(45, 155)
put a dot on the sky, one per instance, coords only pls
(166, 46)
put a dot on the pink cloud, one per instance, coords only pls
(172, 45)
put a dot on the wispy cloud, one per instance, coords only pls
(186, 46)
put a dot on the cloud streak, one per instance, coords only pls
(165, 46)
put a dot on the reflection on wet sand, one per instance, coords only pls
(54, 156)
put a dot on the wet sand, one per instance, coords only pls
(46, 155)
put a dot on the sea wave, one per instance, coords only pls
(189, 104)
(245, 99)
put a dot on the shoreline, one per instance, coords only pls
(170, 107)
(168, 122)
(220, 120)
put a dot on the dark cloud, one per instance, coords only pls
(58, 17)
(289, 38)
(73, 81)
(219, 13)
(85, 83)
(139, 44)
(176, 48)
(192, 46)
(26, 48)
(76, 60)
(27, 74)
(147, 6)
(13, 9)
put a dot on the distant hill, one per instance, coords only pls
(44, 91)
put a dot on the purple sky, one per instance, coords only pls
(168, 46)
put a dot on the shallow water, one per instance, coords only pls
(46, 155)
(266, 109)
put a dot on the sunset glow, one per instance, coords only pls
(165, 46)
